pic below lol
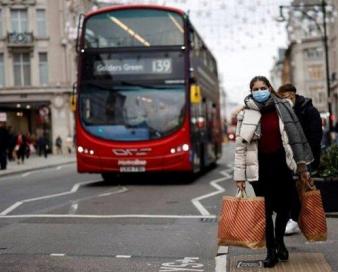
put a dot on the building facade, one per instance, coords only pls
(38, 65)
(277, 69)
(333, 28)
(304, 64)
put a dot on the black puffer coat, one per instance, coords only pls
(311, 122)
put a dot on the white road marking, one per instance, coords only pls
(122, 190)
(57, 254)
(220, 189)
(73, 208)
(11, 208)
(149, 216)
(221, 263)
(58, 168)
(222, 250)
(185, 264)
(72, 191)
(123, 256)
(26, 174)
(221, 258)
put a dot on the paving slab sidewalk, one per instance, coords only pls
(35, 163)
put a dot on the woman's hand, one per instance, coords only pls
(240, 184)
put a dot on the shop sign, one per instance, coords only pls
(3, 117)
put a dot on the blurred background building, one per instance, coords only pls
(304, 63)
(37, 67)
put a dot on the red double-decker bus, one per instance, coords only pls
(147, 93)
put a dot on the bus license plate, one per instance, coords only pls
(132, 169)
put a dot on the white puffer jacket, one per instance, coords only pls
(246, 153)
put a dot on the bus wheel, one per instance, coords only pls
(109, 177)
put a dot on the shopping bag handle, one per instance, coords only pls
(309, 185)
(241, 193)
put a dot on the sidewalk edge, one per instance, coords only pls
(35, 168)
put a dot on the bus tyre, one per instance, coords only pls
(109, 177)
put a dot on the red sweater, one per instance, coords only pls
(271, 139)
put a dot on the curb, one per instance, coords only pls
(331, 215)
(16, 172)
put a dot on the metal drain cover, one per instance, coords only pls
(249, 264)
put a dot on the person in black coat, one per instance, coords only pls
(309, 118)
(4, 139)
(311, 122)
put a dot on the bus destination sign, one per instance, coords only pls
(130, 66)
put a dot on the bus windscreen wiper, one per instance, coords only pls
(100, 86)
(128, 83)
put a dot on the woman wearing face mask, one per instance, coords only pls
(270, 147)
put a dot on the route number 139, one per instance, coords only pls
(162, 66)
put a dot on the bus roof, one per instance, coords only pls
(134, 6)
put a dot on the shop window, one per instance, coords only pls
(316, 72)
(43, 68)
(313, 53)
(2, 70)
(19, 20)
(41, 25)
(22, 69)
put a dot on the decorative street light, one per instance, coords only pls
(323, 31)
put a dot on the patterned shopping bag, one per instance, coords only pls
(312, 220)
(242, 222)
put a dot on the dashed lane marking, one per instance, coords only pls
(123, 256)
(57, 254)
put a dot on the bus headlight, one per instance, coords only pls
(85, 150)
(180, 149)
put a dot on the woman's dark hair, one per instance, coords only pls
(266, 81)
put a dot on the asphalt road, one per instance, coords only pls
(58, 220)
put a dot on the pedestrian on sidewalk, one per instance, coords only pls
(270, 147)
(21, 147)
(58, 145)
(311, 123)
(11, 144)
(4, 141)
(45, 145)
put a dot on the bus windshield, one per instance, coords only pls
(134, 28)
(131, 112)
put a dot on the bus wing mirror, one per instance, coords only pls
(195, 94)
(79, 30)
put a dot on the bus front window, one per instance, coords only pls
(134, 28)
(130, 113)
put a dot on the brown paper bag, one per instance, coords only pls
(242, 222)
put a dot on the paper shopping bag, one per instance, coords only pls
(242, 222)
(312, 220)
